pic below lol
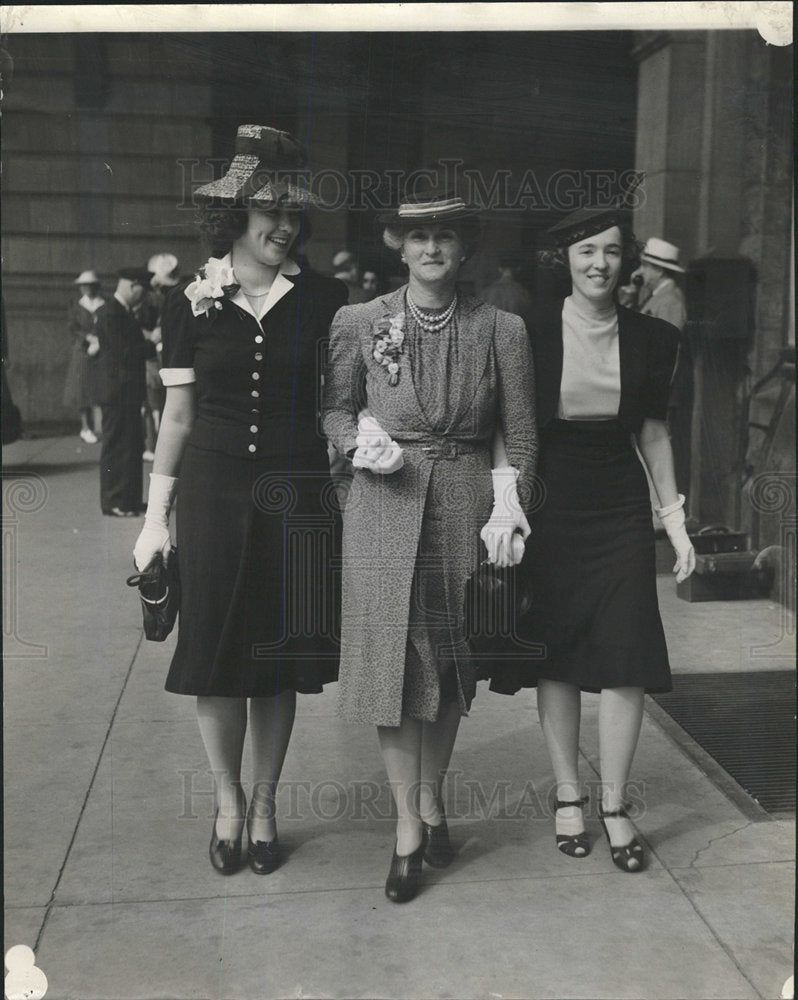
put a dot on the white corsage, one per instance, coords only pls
(214, 282)
(388, 344)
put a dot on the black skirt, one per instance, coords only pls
(259, 550)
(590, 567)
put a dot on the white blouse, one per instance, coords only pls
(590, 388)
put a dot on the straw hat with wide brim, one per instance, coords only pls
(662, 254)
(264, 172)
(86, 278)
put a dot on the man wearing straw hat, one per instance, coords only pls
(660, 296)
(164, 268)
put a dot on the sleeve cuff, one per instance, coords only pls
(177, 376)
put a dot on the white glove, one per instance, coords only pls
(672, 518)
(94, 344)
(154, 537)
(507, 529)
(376, 450)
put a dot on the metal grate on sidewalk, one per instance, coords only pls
(746, 722)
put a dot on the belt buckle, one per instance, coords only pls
(440, 449)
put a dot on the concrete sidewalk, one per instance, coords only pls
(108, 814)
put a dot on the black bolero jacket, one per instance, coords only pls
(648, 350)
(258, 384)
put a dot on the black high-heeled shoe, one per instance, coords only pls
(629, 858)
(435, 844)
(225, 855)
(263, 856)
(404, 876)
(575, 845)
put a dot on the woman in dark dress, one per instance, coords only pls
(256, 528)
(84, 384)
(603, 378)
(439, 373)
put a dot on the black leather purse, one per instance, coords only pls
(159, 592)
(498, 626)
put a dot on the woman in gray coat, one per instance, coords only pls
(444, 380)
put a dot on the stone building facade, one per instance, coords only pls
(104, 136)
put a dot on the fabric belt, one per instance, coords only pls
(443, 447)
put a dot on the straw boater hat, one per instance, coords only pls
(164, 269)
(430, 205)
(86, 278)
(264, 171)
(662, 254)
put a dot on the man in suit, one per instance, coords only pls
(347, 269)
(124, 350)
(660, 296)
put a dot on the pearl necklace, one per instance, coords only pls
(432, 322)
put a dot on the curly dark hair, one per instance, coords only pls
(557, 259)
(221, 227)
(469, 229)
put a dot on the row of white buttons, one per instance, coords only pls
(255, 394)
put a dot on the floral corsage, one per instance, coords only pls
(388, 344)
(214, 282)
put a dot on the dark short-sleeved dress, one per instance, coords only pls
(590, 561)
(258, 527)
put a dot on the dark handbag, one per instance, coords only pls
(159, 591)
(498, 627)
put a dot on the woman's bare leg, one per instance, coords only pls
(401, 752)
(437, 744)
(223, 726)
(271, 721)
(620, 718)
(560, 712)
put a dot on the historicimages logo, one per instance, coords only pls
(25, 981)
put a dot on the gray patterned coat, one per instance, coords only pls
(443, 493)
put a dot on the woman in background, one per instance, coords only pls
(84, 381)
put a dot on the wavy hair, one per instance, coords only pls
(221, 227)
(631, 247)
(469, 229)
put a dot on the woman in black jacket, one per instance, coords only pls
(602, 383)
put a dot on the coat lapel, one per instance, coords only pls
(548, 355)
(476, 323)
(631, 350)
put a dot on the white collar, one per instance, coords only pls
(280, 286)
(91, 305)
(122, 302)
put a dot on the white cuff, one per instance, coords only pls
(178, 376)
(664, 511)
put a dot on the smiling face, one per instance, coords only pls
(433, 254)
(269, 235)
(595, 265)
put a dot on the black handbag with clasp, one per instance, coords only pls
(159, 591)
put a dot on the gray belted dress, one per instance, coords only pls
(411, 538)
